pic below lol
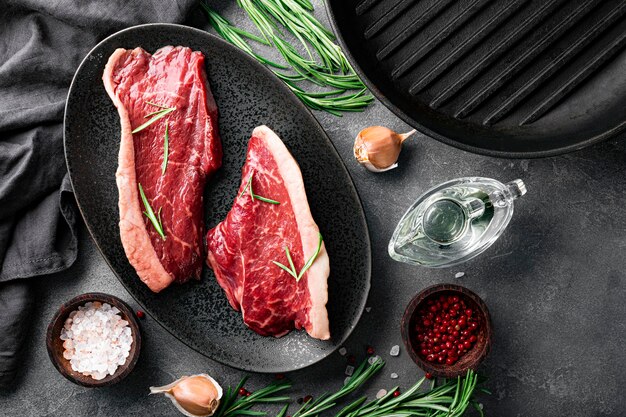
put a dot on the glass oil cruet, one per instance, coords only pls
(454, 221)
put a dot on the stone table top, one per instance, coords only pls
(553, 282)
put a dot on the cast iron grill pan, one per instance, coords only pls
(514, 78)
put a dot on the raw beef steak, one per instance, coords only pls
(255, 233)
(139, 84)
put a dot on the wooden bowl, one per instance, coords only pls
(55, 344)
(473, 358)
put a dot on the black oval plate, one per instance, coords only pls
(247, 95)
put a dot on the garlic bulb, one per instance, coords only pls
(377, 148)
(194, 396)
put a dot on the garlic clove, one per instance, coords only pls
(378, 148)
(372, 168)
(194, 396)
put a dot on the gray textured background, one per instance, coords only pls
(553, 282)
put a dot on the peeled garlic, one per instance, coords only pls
(194, 396)
(377, 148)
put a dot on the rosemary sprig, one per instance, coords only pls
(166, 148)
(295, 16)
(254, 196)
(450, 399)
(156, 111)
(156, 222)
(236, 35)
(292, 269)
(231, 405)
(361, 375)
(152, 103)
(157, 115)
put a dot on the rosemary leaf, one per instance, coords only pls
(254, 196)
(352, 406)
(153, 113)
(247, 413)
(166, 146)
(308, 264)
(290, 271)
(157, 105)
(250, 187)
(232, 406)
(158, 226)
(266, 200)
(246, 187)
(293, 268)
(283, 411)
(160, 114)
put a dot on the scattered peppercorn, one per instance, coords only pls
(280, 376)
(428, 375)
(140, 314)
(242, 392)
(370, 350)
(396, 393)
(248, 394)
(307, 398)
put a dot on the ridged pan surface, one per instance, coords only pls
(514, 78)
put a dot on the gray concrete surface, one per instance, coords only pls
(554, 283)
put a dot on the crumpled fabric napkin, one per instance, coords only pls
(42, 43)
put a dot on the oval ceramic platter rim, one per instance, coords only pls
(300, 107)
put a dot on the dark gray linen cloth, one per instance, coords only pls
(42, 42)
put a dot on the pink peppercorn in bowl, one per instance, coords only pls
(447, 330)
(56, 347)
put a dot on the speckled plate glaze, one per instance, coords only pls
(247, 95)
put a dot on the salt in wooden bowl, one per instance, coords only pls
(55, 344)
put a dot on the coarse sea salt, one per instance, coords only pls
(96, 340)
(373, 359)
(395, 350)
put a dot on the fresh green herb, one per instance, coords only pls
(156, 222)
(265, 200)
(156, 105)
(361, 375)
(156, 111)
(247, 187)
(166, 148)
(254, 196)
(231, 405)
(236, 36)
(332, 70)
(292, 269)
(308, 264)
(450, 399)
(156, 116)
